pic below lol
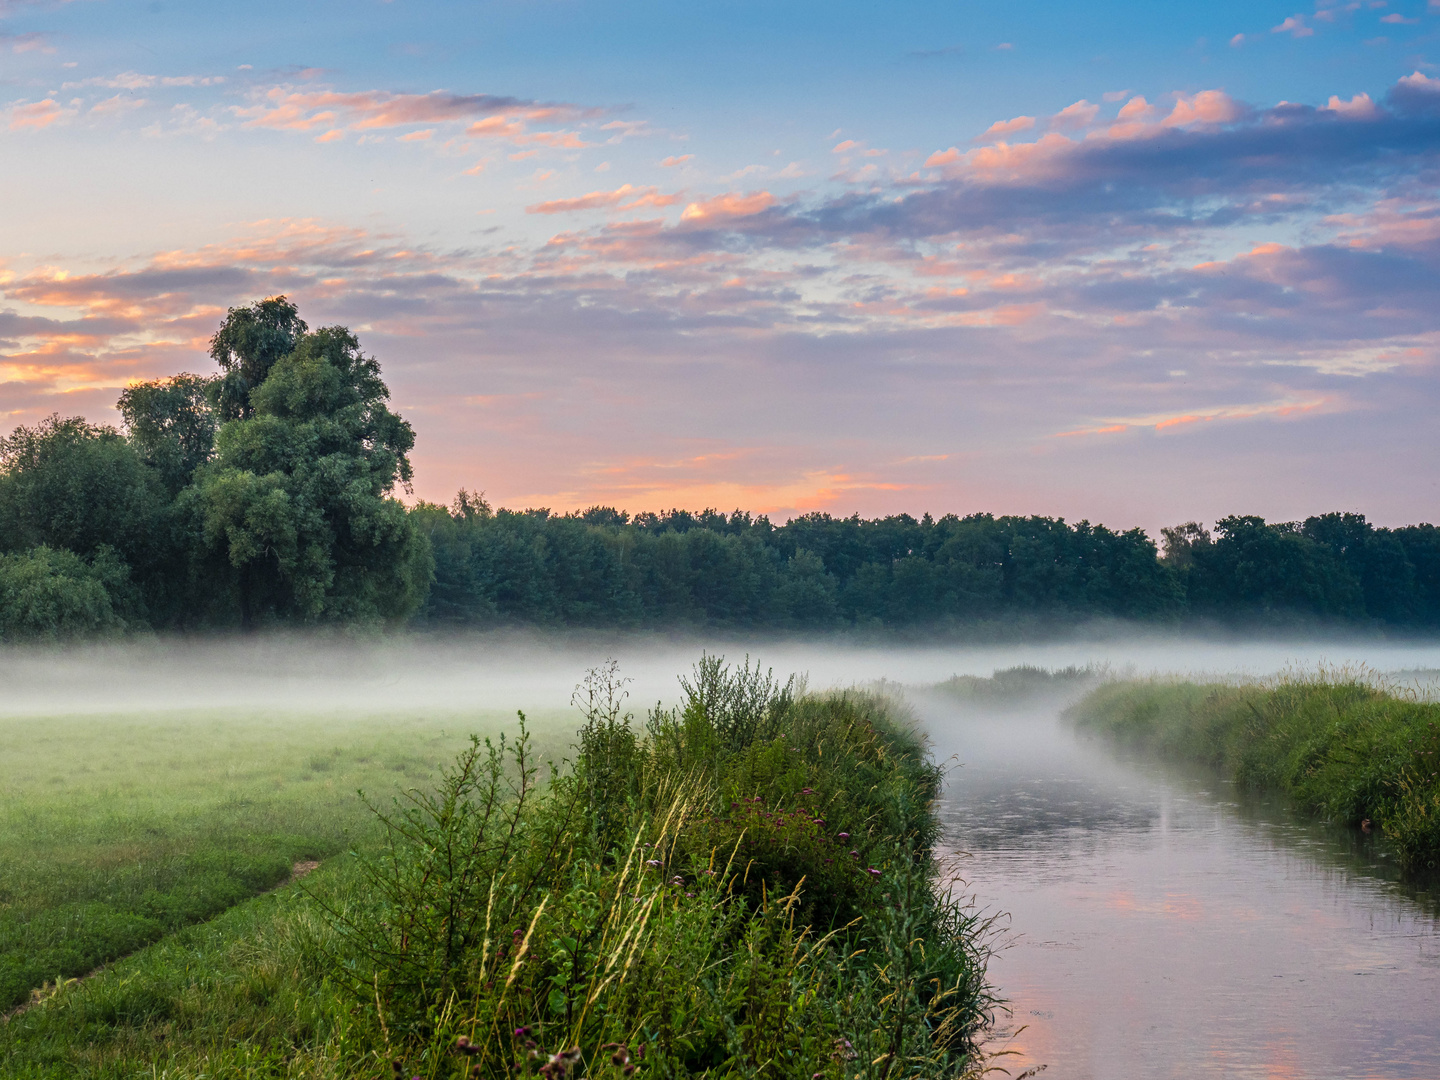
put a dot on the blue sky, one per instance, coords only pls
(1131, 262)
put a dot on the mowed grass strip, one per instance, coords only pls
(245, 994)
(1344, 749)
(117, 830)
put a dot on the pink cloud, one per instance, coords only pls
(284, 108)
(418, 136)
(1419, 81)
(942, 157)
(116, 105)
(1206, 107)
(1396, 19)
(731, 205)
(624, 197)
(1001, 128)
(1237, 41)
(1359, 107)
(671, 162)
(1074, 117)
(844, 147)
(1164, 421)
(495, 127)
(1136, 109)
(37, 115)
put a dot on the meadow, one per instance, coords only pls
(1349, 749)
(118, 829)
(741, 886)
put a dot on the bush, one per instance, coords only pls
(49, 594)
(680, 902)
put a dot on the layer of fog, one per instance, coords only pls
(507, 671)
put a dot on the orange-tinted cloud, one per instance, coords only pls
(1164, 421)
(731, 205)
(625, 197)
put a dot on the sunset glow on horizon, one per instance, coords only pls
(1125, 262)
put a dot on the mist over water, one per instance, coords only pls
(507, 671)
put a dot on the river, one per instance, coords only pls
(1158, 923)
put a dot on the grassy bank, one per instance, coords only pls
(1019, 685)
(1341, 749)
(742, 886)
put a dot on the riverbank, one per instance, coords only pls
(1346, 750)
(742, 885)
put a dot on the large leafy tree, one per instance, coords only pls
(172, 425)
(295, 509)
(250, 342)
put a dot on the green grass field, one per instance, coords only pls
(1346, 749)
(116, 830)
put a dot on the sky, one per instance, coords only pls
(1127, 262)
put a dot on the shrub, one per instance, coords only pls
(678, 903)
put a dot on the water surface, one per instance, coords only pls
(1162, 924)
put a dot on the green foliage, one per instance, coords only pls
(171, 424)
(293, 510)
(816, 572)
(1332, 566)
(1344, 750)
(250, 342)
(655, 913)
(69, 484)
(50, 595)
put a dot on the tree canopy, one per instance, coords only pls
(261, 495)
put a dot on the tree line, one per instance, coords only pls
(264, 495)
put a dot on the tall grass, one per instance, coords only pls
(745, 888)
(742, 886)
(1347, 748)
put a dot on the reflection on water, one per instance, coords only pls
(1162, 925)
